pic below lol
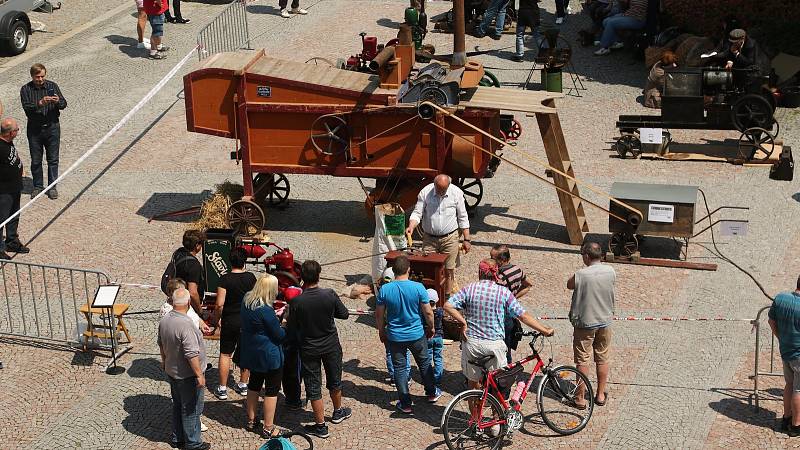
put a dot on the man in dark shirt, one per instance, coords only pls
(512, 277)
(42, 101)
(311, 320)
(189, 269)
(10, 188)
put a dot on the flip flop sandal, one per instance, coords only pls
(273, 432)
(598, 402)
(578, 406)
(252, 426)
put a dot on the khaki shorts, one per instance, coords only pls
(791, 373)
(448, 245)
(472, 349)
(588, 341)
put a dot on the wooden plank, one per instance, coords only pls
(658, 262)
(556, 149)
(510, 100)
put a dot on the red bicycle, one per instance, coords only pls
(483, 419)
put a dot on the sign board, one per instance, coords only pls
(105, 296)
(650, 136)
(733, 228)
(266, 91)
(660, 213)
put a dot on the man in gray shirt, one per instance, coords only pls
(183, 358)
(591, 313)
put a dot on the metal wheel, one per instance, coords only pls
(515, 131)
(473, 191)
(317, 61)
(489, 80)
(271, 189)
(17, 40)
(752, 111)
(433, 95)
(245, 218)
(329, 135)
(468, 424)
(754, 139)
(392, 42)
(557, 396)
(623, 244)
(628, 143)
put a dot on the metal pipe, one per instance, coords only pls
(8, 300)
(459, 30)
(381, 59)
(47, 300)
(33, 297)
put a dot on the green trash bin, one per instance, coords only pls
(217, 256)
(551, 79)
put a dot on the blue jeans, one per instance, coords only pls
(435, 346)
(521, 38)
(615, 23)
(187, 406)
(419, 350)
(390, 366)
(44, 141)
(497, 8)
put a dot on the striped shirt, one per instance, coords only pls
(637, 10)
(30, 95)
(511, 276)
(485, 305)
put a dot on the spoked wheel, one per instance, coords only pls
(623, 244)
(317, 61)
(754, 139)
(628, 144)
(329, 135)
(465, 424)
(752, 111)
(473, 191)
(515, 131)
(271, 189)
(245, 218)
(559, 396)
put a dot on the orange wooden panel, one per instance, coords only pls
(209, 102)
(293, 92)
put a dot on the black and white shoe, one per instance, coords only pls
(341, 414)
(319, 430)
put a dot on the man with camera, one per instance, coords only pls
(42, 101)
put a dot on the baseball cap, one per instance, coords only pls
(736, 35)
(433, 296)
(388, 275)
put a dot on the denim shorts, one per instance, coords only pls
(157, 24)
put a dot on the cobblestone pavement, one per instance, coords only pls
(673, 384)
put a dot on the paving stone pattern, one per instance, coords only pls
(673, 384)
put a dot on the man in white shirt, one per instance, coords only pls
(442, 212)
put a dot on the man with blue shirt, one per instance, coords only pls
(784, 319)
(401, 306)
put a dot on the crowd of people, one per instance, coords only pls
(284, 349)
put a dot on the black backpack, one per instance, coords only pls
(172, 269)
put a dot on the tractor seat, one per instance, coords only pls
(481, 362)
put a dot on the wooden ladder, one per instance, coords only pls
(555, 147)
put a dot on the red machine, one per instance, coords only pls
(369, 50)
(281, 264)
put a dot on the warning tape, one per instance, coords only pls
(363, 312)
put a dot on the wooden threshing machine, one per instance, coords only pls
(400, 125)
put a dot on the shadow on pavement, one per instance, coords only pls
(230, 413)
(149, 416)
(146, 368)
(127, 45)
(744, 412)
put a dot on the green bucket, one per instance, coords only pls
(551, 79)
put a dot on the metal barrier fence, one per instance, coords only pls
(228, 31)
(43, 301)
(758, 371)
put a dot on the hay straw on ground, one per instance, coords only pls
(214, 209)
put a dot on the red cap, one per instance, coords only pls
(291, 292)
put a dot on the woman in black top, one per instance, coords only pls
(230, 292)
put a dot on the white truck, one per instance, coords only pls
(15, 26)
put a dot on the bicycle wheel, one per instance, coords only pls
(460, 425)
(557, 395)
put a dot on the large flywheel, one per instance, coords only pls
(245, 218)
(329, 135)
(473, 191)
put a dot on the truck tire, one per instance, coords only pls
(17, 41)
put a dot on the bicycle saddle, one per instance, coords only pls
(481, 362)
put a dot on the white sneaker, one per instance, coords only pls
(596, 43)
(203, 427)
(602, 52)
(559, 20)
(143, 45)
(300, 11)
(617, 45)
(285, 13)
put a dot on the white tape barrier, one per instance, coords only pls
(108, 135)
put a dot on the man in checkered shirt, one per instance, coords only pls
(485, 305)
